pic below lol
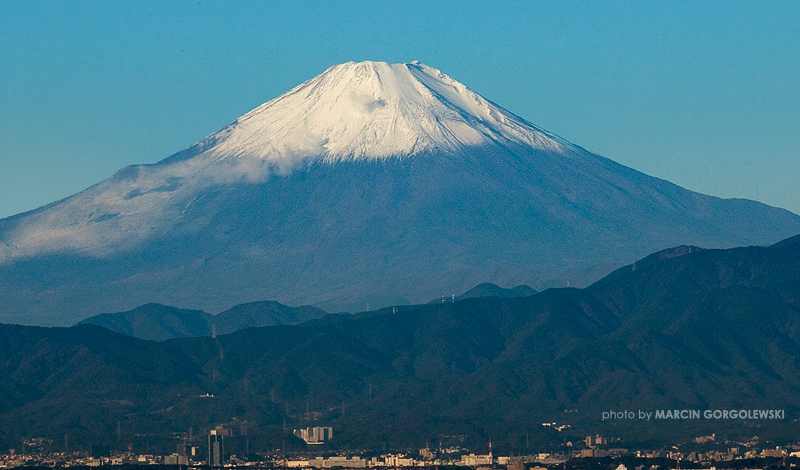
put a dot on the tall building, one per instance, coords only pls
(217, 458)
(315, 435)
(216, 446)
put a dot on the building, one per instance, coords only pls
(176, 459)
(399, 461)
(473, 460)
(296, 463)
(344, 462)
(216, 446)
(597, 440)
(426, 454)
(587, 453)
(315, 435)
(515, 465)
(776, 452)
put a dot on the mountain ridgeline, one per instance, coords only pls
(371, 184)
(159, 322)
(684, 328)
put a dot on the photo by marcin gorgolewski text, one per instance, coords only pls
(693, 414)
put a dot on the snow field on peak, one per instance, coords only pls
(372, 110)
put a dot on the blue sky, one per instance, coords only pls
(703, 94)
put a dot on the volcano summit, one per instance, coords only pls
(370, 184)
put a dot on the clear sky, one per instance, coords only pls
(704, 94)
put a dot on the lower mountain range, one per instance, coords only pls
(159, 322)
(684, 328)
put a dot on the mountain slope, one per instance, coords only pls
(266, 313)
(372, 184)
(156, 322)
(487, 289)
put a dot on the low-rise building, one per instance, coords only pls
(399, 461)
(176, 459)
(473, 460)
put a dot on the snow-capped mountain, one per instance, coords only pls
(369, 184)
(352, 112)
(373, 110)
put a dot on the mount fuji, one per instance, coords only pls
(371, 184)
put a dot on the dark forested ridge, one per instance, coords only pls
(684, 328)
(160, 322)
